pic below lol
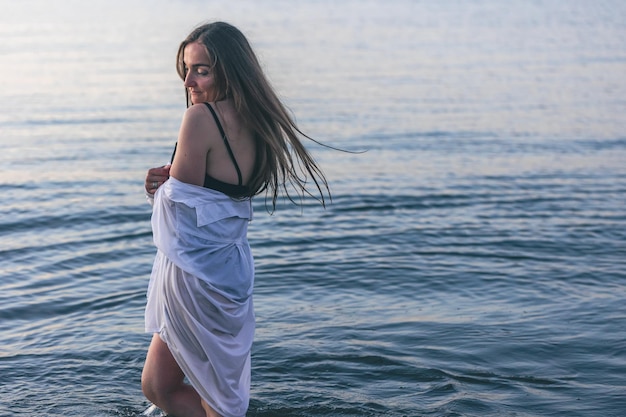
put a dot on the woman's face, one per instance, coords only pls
(199, 79)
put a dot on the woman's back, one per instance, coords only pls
(214, 146)
(219, 163)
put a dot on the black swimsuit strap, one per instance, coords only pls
(230, 151)
(174, 153)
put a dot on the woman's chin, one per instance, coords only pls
(197, 98)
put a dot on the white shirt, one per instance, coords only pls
(204, 232)
(200, 291)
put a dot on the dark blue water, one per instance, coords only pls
(472, 263)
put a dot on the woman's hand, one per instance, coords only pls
(156, 177)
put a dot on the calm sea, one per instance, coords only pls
(472, 262)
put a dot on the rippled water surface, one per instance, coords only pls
(472, 262)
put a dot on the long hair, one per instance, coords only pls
(282, 162)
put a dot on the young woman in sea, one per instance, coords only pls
(236, 141)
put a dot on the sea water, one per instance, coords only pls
(472, 261)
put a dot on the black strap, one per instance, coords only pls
(174, 153)
(230, 151)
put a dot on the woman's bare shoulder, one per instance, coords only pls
(198, 122)
(196, 113)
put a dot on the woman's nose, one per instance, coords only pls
(189, 82)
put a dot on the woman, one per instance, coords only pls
(236, 141)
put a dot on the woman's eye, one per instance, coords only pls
(197, 71)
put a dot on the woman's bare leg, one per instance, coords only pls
(162, 382)
(209, 411)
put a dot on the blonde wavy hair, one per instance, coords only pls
(282, 162)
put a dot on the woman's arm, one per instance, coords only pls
(194, 144)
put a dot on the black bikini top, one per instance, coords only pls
(232, 190)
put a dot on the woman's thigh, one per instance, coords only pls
(161, 373)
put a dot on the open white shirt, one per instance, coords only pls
(200, 291)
